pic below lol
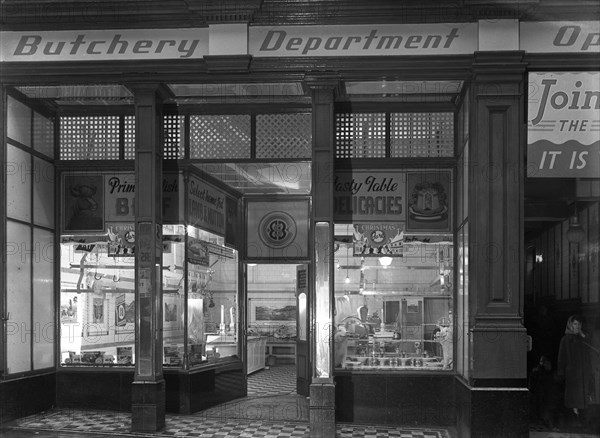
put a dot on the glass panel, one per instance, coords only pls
(394, 312)
(18, 121)
(173, 294)
(43, 135)
(129, 137)
(97, 304)
(212, 298)
(283, 135)
(173, 128)
(43, 299)
(422, 134)
(89, 138)
(43, 193)
(360, 135)
(323, 311)
(465, 329)
(220, 136)
(18, 184)
(18, 297)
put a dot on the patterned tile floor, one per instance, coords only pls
(272, 409)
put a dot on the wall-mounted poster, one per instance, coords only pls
(563, 125)
(429, 201)
(83, 203)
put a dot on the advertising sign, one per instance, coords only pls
(369, 196)
(363, 40)
(205, 206)
(560, 37)
(563, 125)
(103, 45)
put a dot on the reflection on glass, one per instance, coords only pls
(322, 301)
(212, 312)
(302, 317)
(396, 315)
(97, 304)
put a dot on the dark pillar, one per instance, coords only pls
(494, 401)
(148, 389)
(322, 387)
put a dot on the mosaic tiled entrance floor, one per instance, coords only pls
(117, 424)
(272, 409)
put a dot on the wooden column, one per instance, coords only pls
(494, 400)
(148, 390)
(322, 389)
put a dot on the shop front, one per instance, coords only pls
(184, 204)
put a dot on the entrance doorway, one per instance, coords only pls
(273, 345)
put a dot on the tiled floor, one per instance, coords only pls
(272, 409)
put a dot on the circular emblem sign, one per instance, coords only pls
(277, 229)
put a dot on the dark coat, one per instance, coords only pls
(575, 368)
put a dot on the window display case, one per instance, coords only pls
(394, 312)
(97, 311)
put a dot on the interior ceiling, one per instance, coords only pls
(247, 92)
(262, 178)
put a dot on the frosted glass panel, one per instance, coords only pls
(323, 311)
(43, 193)
(18, 300)
(18, 121)
(43, 299)
(18, 184)
(43, 135)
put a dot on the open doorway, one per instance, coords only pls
(272, 328)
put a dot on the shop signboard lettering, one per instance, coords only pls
(560, 36)
(205, 206)
(363, 40)
(563, 125)
(104, 45)
(369, 196)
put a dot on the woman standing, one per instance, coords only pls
(574, 367)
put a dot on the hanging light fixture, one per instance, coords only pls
(575, 233)
(385, 261)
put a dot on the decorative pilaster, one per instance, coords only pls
(322, 388)
(498, 352)
(148, 390)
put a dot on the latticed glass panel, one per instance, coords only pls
(220, 136)
(174, 147)
(283, 135)
(43, 134)
(422, 134)
(360, 135)
(89, 138)
(129, 137)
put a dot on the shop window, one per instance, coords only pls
(283, 135)
(29, 305)
(394, 309)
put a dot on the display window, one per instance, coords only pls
(97, 300)
(394, 303)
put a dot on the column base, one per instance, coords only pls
(148, 406)
(322, 410)
(491, 411)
